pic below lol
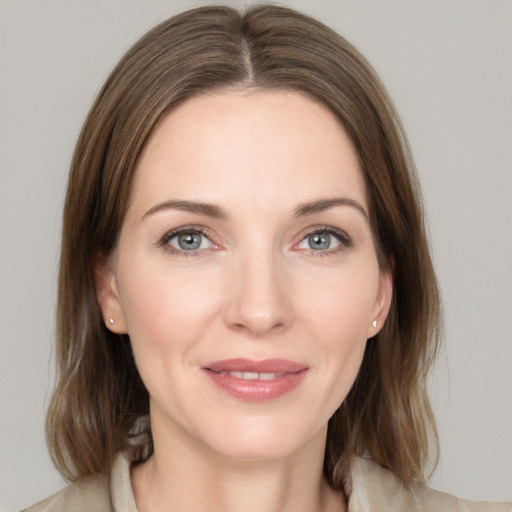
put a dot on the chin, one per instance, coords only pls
(261, 440)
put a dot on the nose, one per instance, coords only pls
(259, 296)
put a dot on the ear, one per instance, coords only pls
(382, 302)
(108, 294)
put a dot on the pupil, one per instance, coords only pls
(189, 241)
(319, 241)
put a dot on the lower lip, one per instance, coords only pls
(257, 390)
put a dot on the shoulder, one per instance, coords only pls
(89, 494)
(98, 493)
(373, 488)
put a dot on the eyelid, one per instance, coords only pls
(163, 241)
(341, 235)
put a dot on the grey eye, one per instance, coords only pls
(190, 241)
(319, 241)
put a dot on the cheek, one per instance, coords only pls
(156, 298)
(342, 306)
(339, 314)
(163, 315)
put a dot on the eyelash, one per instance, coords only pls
(341, 236)
(164, 241)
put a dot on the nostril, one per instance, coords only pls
(258, 325)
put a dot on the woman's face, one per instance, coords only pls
(246, 275)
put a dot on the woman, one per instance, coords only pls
(262, 344)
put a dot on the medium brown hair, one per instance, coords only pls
(99, 393)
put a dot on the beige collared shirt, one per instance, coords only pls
(372, 489)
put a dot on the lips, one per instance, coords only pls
(256, 381)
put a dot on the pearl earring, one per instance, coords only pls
(374, 323)
(111, 321)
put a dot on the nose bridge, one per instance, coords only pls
(259, 302)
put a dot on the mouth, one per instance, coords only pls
(256, 381)
(253, 375)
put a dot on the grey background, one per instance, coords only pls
(448, 66)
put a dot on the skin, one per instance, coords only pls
(254, 289)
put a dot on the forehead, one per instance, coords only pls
(257, 145)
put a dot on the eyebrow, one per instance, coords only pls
(218, 212)
(321, 205)
(208, 209)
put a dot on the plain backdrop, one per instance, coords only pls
(448, 67)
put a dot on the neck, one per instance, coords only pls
(184, 475)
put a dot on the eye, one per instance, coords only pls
(189, 240)
(325, 240)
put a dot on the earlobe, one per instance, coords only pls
(108, 295)
(383, 303)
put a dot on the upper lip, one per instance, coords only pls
(249, 365)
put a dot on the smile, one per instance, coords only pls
(256, 381)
